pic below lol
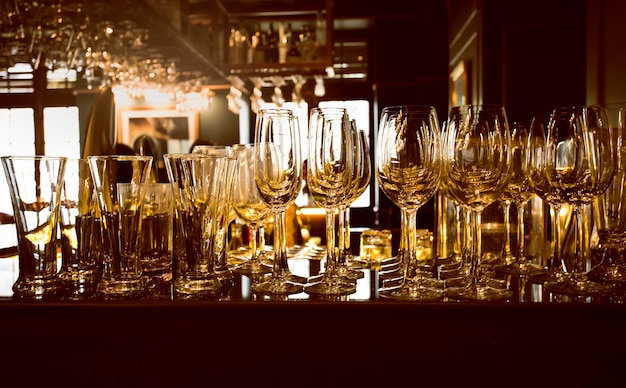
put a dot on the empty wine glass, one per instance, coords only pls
(476, 171)
(361, 175)
(538, 178)
(610, 211)
(249, 206)
(581, 164)
(279, 180)
(408, 168)
(329, 175)
(518, 191)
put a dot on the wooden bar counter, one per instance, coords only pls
(305, 342)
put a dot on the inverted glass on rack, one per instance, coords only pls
(476, 171)
(581, 164)
(329, 177)
(278, 177)
(408, 169)
(610, 211)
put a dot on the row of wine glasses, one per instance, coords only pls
(569, 156)
(475, 158)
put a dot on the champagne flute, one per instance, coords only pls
(408, 168)
(476, 171)
(518, 191)
(581, 164)
(329, 175)
(249, 206)
(279, 180)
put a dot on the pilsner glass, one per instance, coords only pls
(119, 182)
(408, 169)
(35, 188)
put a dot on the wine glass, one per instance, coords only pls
(518, 191)
(408, 168)
(581, 165)
(538, 178)
(361, 175)
(279, 180)
(610, 211)
(249, 206)
(476, 170)
(329, 177)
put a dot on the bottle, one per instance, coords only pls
(320, 36)
(271, 54)
(293, 53)
(258, 45)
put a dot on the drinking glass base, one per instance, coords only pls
(277, 285)
(577, 284)
(478, 292)
(40, 288)
(121, 289)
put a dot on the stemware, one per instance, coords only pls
(476, 171)
(279, 180)
(249, 206)
(610, 212)
(581, 164)
(538, 178)
(361, 175)
(519, 192)
(408, 169)
(329, 177)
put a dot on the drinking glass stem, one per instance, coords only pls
(458, 248)
(507, 229)
(521, 254)
(254, 254)
(341, 243)
(476, 253)
(280, 245)
(331, 257)
(408, 230)
(557, 263)
(580, 256)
